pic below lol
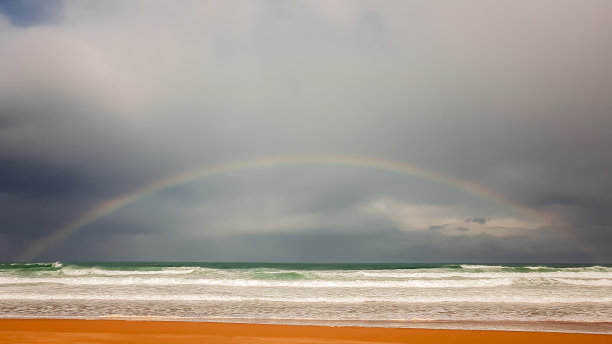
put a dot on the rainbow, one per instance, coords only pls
(112, 205)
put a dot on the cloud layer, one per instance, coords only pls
(99, 98)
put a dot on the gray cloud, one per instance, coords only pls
(99, 99)
(436, 227)
(481, 220)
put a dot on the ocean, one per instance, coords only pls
(569, 298)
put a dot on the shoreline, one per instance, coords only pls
(475, 325)
(155, 331)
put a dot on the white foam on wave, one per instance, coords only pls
(607, 282)
(535, 275)
(356, 279)
(481, 267)
(104, 272)
(168, 281)
(491, 298)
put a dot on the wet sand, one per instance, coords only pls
(151, 332)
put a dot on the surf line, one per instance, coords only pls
(112, 205)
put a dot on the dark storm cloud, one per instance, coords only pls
(594, 239)
(37, 180)
(585, 210)
(32, 12)
(100, 98)
(481, 220)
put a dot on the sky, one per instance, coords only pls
(306, 131)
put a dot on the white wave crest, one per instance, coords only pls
(481, 267)
(535, 299)
(104, 272)
(167, 281)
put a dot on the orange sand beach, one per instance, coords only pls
(151, 332)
